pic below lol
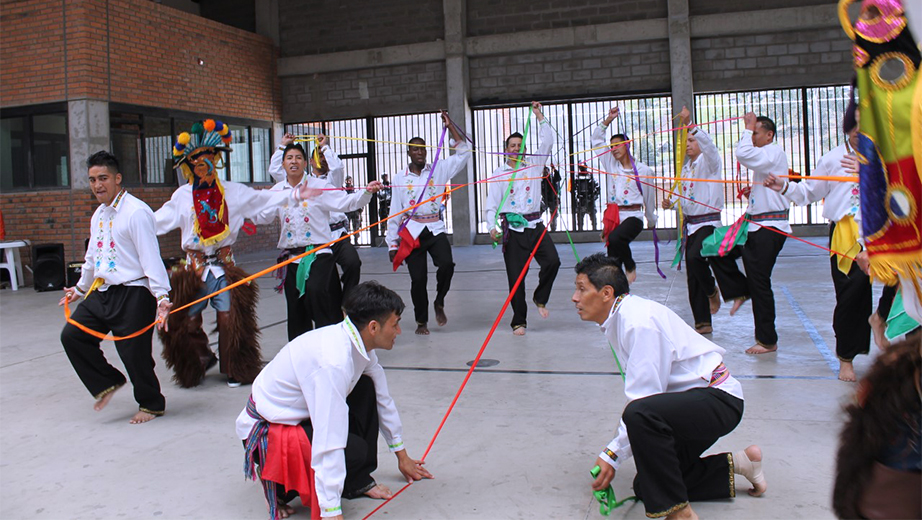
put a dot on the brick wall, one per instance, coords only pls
(604, 70)
(311, 27)
(696, 7)
(400, 89)
(507, 16)
(761, 61)
(150, 58)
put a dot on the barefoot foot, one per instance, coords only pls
(761, 349)
(440, 317)
(686, 513)
(714, 301)
(878, 327)
(748, 463)
(379, 492)
(285, 510)
(104, 400)
(543, 312)
(631, 276)
(704, 329)
(847, 371)
(518, 331)
(422, 329)
(141, 417)
(737, 303)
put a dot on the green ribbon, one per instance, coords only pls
(516, 220)
(606, 497)
(898, 322)
(304, 269)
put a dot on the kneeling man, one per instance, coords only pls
(312, 421)
(681, 398)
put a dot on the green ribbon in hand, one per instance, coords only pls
(304, 270)
(606, 497)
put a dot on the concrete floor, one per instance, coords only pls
(519, 444)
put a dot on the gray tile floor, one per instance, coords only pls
(519, 443)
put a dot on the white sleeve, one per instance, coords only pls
(169, 216)
(547, 137)
(649, 195)
(253, 203)
(749, 155)
(268, 213)
(88, 271)
(325, 391)
(713, 166)
(495, 192)
(597, 142)
(388, 418)
(276, 170)
(339, 200)
(397, 205)
(144, 236)
(337, 174)
(807, 191)
(452, 165)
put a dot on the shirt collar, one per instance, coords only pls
(420, 174)
(610, 321)
(355, 337)
(118, 198)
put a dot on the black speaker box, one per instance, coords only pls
(48, 267)
(74, 270)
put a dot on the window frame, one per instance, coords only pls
(28, 112)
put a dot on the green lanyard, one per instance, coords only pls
(518, 162)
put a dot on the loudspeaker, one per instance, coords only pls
(74, 270)
(48, 267)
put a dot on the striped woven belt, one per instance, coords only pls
(698, 219)
(719, 375)
(425, 219)
(531, 217)
(338, 225)
(632, 207)
(770, 216)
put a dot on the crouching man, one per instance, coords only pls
(681, 399)
(312, 420)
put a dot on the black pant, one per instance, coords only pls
(121, 310)
(347, 257)
(321, 304)
(619, 242)
(853, 307)
(885, 303)
(701, 284)
(759, 256)
(440, 250)
(361, 446)
(668, 434)
(517, 250)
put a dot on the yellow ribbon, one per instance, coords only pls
(845, 238)
(97, 283)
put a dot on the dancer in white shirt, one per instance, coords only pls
(422, 230)
(125, 287)
(701, 207)
(681, 398)
(312, 290)
(842, 207)
(517, 222)
(322, 401)
(628, 200)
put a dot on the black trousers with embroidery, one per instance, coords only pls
(668, 434)
(349, 263)
(517, 250)
(361, 446)
(759, 256)
(619, 242)
(121, 310)
(853, 308)
(701, 284)
(322, 302)
(439, 249)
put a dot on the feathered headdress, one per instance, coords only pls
(192, 148)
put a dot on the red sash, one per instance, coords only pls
(407, 245)
(289, 463)
(610, 220)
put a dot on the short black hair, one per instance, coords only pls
(623, 137)
(103, 158)
(512, 135)
(295, 146)
(369, 301)
(604, 270)
(767, 124)
(416, 140)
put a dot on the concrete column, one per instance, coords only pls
(463, 215)
(680, 63)
(267, 19)
(88, 132)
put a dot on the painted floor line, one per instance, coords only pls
(831, 360)
(576, 372)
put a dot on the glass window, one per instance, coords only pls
(125, 139)
(158, 150)
(14, 168)
(239, 160)
(262, 152)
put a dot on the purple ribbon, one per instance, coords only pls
(655, 238)
(422, 192)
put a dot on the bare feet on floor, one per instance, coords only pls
(686, 513)
(748, 463)
(285, 510)
(379, 492)
(104, 400)
(761, 349)
(847, 371)
(518, 331)
(631, 276)
(440, 317)
(543, 312)
(422, 329)
(704, 329)
(141, 417)
(714, 301)
(878, 327)
(737, 303)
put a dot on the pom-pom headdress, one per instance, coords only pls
(208, 135)
(198, 154)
